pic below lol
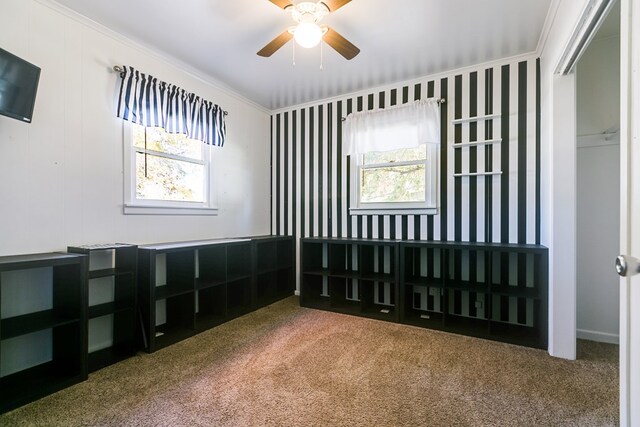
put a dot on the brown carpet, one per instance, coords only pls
(289, 366)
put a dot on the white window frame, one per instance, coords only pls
(135, 206)
(428, 207)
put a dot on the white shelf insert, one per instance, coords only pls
(475, 119)
(476, 174)
(476, 143)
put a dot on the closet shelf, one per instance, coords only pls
(476, 143)
(476, 174)
(475, 119)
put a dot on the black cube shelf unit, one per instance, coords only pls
(351, 276)
(112, 295)
(188, 287)
(488, 290)
(274, 268)
(44, 303)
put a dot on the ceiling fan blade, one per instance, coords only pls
(334, 5)
(281, 3)
(275, 44)
(343, 46)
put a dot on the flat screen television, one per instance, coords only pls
(18, 86)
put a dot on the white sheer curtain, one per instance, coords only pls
(404, 126)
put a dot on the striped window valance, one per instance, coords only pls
(147, 101)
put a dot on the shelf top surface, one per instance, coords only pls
(190, 244)
(53, 257)
(101, 246)
(350, 240)
(269, 237)
(434, 243)
(474, 245)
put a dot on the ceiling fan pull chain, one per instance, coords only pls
(321, 55)
(294, 54)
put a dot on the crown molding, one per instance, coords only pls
(435, 76)
(546, 28)
(148, 50)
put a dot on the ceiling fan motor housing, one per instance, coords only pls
(307, 11)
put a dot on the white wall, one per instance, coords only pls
(61, 176)
(598, 95)
(558, 186)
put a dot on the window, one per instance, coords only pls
(396, 181)
(394, 158)
(166, 173)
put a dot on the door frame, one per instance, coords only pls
(629, 210)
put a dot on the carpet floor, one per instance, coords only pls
(285, 365)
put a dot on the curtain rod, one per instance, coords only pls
(118, 69)
(439, 101)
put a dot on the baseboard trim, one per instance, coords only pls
(598, 336)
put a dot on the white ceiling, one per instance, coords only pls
(399, 40)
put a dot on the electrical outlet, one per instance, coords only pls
(479, 305)
(433, 291)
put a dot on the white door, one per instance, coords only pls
(630, 213)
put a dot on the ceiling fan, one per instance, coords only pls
(308, 33)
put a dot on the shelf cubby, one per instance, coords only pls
(43, 325)
(315, 291)
(212, 307)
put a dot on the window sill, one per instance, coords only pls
(168, 210)
(393, 211)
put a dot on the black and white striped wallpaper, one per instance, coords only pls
(311, 179)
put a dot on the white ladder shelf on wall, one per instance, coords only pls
(476, 143)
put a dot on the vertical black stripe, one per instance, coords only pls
(312, 169)
(522, 171)
(473, 189)
(457, 159)
(339, 168)
(330, 166)
(430, 218)
(522, 152)
(294, 175)
(473, 159)
(349, 221)
(488, 162)
(359, 217)
(444, 113)
(370, 100)
(285, 172)
(303, 171)
(538, 165)
(278, 174)
(320, 168)
(381, 104)
(405, 94)
(417, 95)
(504, 157)
(271, 180)
(405, 227)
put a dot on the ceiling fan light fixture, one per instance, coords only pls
(308, 34)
